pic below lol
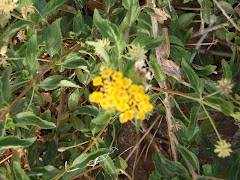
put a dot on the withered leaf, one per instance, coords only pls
(160, 14)
(171, 69)
(163, 51)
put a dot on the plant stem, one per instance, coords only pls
(213, 125)
(31, 98)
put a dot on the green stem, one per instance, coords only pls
(213, 125)
(180, 109)
(213, 93)
(31, 99)
(20, 83)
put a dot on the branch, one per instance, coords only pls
(226, 15)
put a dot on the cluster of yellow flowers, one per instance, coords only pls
(118, 92)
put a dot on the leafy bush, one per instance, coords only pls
(72, 77)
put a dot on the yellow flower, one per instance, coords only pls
(126, 82)
(133, 89)
(97, 81)
(123, 118)
(111, 101)
(122, 106)
(138, 96)
(141, 89)
(107, 73)
(104, 104)
(223, 148)
(140, 115)
(146, 98)
(130, 114)
(117, 76)
(96, 97)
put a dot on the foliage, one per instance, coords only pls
(70, 78)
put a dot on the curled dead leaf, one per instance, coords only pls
(171, 69)
(160, 14)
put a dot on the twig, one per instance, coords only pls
(207, 30)
(226, 15)
(164, 86)
(139, 142)
(217, 53)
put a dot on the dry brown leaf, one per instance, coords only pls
(171, 69)
(160, 14)
(163, 51)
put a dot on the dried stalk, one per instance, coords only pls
(164, 86)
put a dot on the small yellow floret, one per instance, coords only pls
(140, 115)
(107, 73)
(122, 106)
(123, 118)
(97, 81)
(133, 89)
(130, 114)
(117, 76)
(126, 82)
(138, 96)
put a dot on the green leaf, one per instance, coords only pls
(74, 99)
(30, 62)
(88, 109)
(78, 23)
(227, 7)
(33, 155)
(193, 78)
(53, 38)
(106, 28)
(47, 172)
(50, 156)
(77, 123)
(167, 168)
(74, 61)
(190, 157)
(192, 128)
(14, 28)
(178, 53)
(14, 142)
(57, 94)
(18, 172)
(29, 118)
(53, 4)
(63, 128)
(120, 163)
(98, 122)
(133, 10)
(155, 176)
(83, 160)
(52, 82)
(148, 44)
(206, 14)
(204, 71)
(101, 50)
(158, 72)
(175, 40)
(234, 173)
(5, 83)
(226, 106)
(186, 18)
(108, 165)
(227, 72)
(188, 36)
